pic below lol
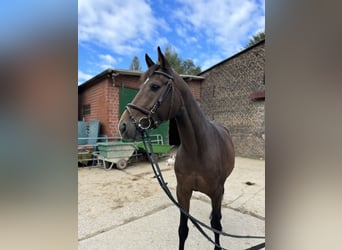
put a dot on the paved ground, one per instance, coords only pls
(128, 210)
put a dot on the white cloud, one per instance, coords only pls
(121, 26)
(223, 23)
(106, 61)
(162, 42)
(210, 61)
(107, 58)
(113, 31)
(82, 77)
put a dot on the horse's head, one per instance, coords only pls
(155, 102)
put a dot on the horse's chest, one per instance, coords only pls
(194, 181)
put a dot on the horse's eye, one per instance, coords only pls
(154, 87)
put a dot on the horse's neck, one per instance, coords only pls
(191, 122)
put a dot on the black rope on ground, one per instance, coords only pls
(197, 223)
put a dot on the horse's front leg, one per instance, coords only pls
(216, 215)
(183, 198)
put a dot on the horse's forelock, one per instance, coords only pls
(148, 72)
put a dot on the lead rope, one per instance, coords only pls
(155, 167)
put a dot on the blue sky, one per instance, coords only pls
(112, 32)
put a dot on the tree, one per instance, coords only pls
(190, 68)
(135, 64)
(181, 66)
(255, 39)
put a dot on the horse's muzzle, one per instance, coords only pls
(128, 130)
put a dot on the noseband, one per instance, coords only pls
(147, 121)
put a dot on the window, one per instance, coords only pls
(258, 96)
(86, 109)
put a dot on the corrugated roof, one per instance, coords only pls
(110, 72)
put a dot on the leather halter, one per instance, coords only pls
(147, 122)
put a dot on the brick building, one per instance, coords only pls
(234, 93)
(104, 97)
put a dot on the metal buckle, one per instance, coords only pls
(144, 123)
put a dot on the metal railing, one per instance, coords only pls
(89, 152)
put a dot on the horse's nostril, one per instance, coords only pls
(122, 127)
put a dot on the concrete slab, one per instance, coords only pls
(128, 210)
(106, 220)
(245, 187)
(159, 231)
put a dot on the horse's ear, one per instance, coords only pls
(149, 61)
(162, 60)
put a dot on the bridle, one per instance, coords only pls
(148, 121)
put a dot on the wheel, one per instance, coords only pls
(121, 164)
(108, 165)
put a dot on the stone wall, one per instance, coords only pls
(226, 97)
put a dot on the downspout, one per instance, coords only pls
(113, 75)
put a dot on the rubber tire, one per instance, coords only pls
(121, 164)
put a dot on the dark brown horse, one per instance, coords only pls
(205, 157)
